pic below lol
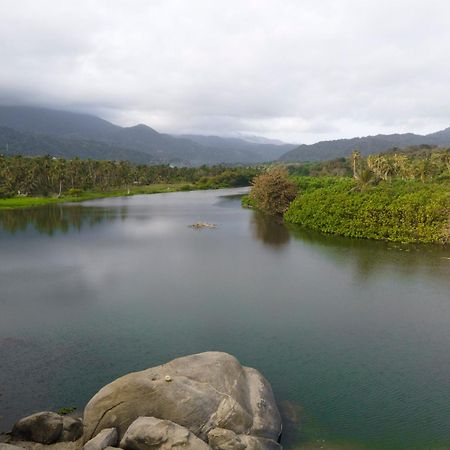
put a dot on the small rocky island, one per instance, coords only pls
(207, 401)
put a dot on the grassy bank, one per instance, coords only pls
(30, 202)
(406, 211)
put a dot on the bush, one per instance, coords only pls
(66, 410)
(6, 193)
(401, 211)
(73, 192)
(272, 192)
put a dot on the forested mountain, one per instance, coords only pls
(13, 142)
(33, 131)
(326, 150)
(264, 150)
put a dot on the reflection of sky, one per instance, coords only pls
(311, 312)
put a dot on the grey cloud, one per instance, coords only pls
(299, 71)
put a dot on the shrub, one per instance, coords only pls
(272, 192)
(401, 211)
(75, 192)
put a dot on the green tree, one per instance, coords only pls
(272, 191)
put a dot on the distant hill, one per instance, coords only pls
(67, 134)
(13, 142)
(263, 150)
(327, 150)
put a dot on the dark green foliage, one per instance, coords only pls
(47, 176)
(75, 192)
(337, 167)
(66, 410)
(401, 211)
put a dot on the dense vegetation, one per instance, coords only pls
(272, 191)
(25, 177)
(397, 196)
(402, 211)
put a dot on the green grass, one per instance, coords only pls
(30, 202)
(401, 211)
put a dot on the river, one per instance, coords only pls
(353, 335)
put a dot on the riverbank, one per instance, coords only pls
(400, 211)
(31, 202)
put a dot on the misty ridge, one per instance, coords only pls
(34, 131)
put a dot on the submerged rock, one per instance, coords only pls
(200, 225)
(206, 391)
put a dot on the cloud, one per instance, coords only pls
(300, 71)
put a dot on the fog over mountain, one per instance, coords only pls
(295, 71)
(40, 131)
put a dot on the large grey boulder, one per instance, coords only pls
(199, 392)
(108, 437)
(149, 433)
(43, 427)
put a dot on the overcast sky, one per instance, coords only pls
(297, 70)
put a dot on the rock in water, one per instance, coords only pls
(44, 427)
(149, 433)
(206, 391)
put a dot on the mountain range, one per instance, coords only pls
(327, 150)
(39, 131)
(34, 131)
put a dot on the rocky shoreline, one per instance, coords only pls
(207, 401)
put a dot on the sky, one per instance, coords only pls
(297, 70)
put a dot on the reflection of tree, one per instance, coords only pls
(269, 229)
(51, 218)
(369, 257)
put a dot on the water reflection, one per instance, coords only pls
(270, 230)
(58, 218)
(369, 258)
(346, 328)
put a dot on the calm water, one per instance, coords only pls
(354, 336)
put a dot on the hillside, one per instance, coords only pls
(13, 142)
(263, 150)
(66, 134)
(327, 150)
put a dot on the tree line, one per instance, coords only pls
(413, 163)
(46, 175)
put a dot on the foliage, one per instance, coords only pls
(412, 163)
(401, 211)
(273, 191)
(47, 176)
(66, 410)
(337, 167)
(75, 192)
